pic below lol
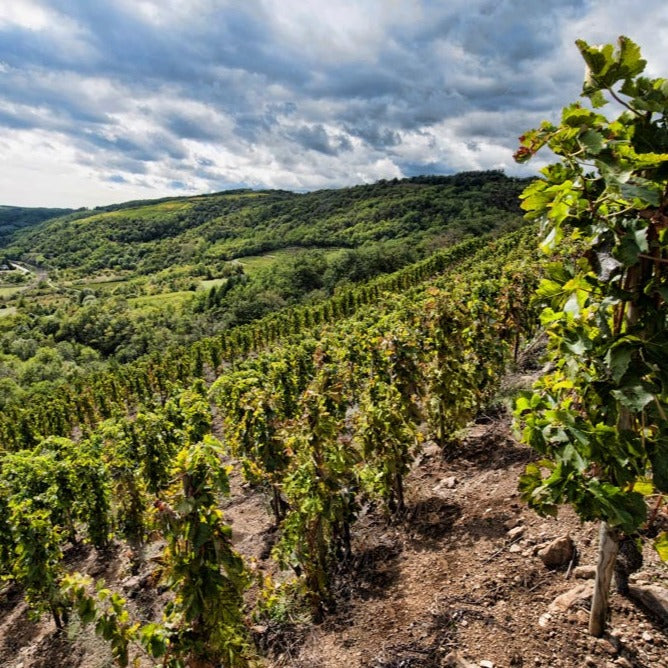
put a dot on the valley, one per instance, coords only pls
(330, 370)
(317, 440)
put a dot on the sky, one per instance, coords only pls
(104, 101)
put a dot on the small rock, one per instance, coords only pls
(447, 483)
(584, 572)
(432, 449)
(456, 660)
(651, 597)
(515, 532)
(577, 595)
(514, 548)
(512, 523)
(558, 553)
(623, 662)
(647, 637)
(134, 583)
(544, 620)
(486, 664)
(259, 629)
(589, 660)
(580, 617)
(606, 646)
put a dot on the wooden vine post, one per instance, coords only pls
(599, 418)
(608, 547)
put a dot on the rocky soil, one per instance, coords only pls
(463, 580)
(469, 578)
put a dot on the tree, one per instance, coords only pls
(599, 417)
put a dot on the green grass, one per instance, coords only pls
(208, 284)
(10, 291)
(252, 263)
(106, 285)
(159, 301)
(149, 211)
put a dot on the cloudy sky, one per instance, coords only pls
(108, 100)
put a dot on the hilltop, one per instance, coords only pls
(149, 236)
(15, 218)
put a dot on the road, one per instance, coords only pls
(40, 273)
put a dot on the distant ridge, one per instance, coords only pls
(150, 235)
(14, 218)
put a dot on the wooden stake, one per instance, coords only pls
(608, 547)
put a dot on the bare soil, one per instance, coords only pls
(445, 578)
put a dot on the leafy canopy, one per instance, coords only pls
(599, 418)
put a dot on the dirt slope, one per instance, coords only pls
(448, 578)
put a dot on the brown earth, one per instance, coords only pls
(446, 578)
(449, 578)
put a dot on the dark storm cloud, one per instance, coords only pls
(151, 147)
(315, 138)
(251, 126)
(374, 134)
(180, 125)
(289, 94)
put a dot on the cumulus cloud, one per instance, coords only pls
(103, 102)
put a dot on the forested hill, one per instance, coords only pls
(14, 218)
(151, 235)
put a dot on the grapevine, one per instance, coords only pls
(599, 418)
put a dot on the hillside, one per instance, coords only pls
(124, 281)
(155, 406)
(459, 576)
(145, 237)
(298, 458)
(15, 218)
(451, 577)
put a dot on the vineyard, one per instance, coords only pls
(324, 412)
(325, 408)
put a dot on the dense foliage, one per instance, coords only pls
(14, 218)
(186, 231)
(57, 324)
(600, 416)
(324, 406)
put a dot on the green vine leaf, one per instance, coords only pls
(618, 359)
(633, 397)
(658, 457)
(593, 141)
(600, 415)
(661, 545)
